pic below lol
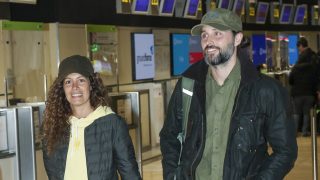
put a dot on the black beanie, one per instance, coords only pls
(75, 64)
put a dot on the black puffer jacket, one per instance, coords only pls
(108, 148)
(260, 115)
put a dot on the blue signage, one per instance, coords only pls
(259, 49)
(293, 50)
(180, 53)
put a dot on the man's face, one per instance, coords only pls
(300, 48)
(218, 46)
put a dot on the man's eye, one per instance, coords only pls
(204, 35)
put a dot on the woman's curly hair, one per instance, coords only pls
(57, 112)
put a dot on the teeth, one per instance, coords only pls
(76, 95)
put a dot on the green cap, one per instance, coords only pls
(75, 64)
(221, 19)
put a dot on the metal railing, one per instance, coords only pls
(314, 143)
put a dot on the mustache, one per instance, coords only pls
(211, 46)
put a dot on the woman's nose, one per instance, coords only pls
(75, 84)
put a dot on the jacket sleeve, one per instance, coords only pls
(170, 145)
(124, 153)
(280, 134)
(49, 162)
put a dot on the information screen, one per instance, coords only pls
(167, 7)
(191, 8)
(262, 12)
(299, 15)
(140, 6)
(238, 6)
(224, 4)
(143, 56)
(286, 12)
(179, 53)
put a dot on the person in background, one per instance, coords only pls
(303, 81)
(235, 113)
(83, 138)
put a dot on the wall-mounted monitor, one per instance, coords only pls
(179, 53)
(140, 7)
(167, 7)
(195, 49)
(191, 9)
(262, 12)
(224, 4)
(185, 50)
(238, 6)
(300, 14)
(286, 14)
(142, 49)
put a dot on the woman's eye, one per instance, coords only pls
(67, 82)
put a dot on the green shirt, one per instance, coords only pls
(219, 104)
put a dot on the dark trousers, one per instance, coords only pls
(301, 108)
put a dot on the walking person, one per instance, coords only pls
(235, 113)
(303, 80)
(82, 138)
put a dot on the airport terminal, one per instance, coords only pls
(140, 48)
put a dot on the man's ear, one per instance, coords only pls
(238, 38)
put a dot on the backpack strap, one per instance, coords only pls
(187, 93)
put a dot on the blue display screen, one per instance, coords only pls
(262, 12)
(193, 6)
(285, 14)
(299, 17)
(238, 6)
(167, 6)
(179, 53)
(259, 50)
(224, 4)
(142, 5)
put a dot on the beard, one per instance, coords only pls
(223, 56)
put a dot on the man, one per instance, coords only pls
(303, 80)
(235, 113)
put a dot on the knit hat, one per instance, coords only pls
(75, 64)
(221, 19)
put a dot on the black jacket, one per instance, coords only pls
(108, 149)
(260, 115)
(304, 74)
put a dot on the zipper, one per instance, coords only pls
(198, 151)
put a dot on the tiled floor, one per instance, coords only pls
(301, 171)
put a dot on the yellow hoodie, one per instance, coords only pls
(76, 165)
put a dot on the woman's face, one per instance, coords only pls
(77, 90)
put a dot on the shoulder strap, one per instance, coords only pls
(187, 93)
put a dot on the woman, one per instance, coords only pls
(82, 138)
